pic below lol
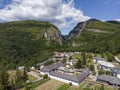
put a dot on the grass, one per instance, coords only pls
(31, 78)
(86, 86)
(50, 85)
(11, 74)
(38, 83)
(63, 87)
(82, 85)
(76, 56)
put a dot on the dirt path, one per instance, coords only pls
(96, 70)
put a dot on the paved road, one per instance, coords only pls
(35, 75)
(42, 63)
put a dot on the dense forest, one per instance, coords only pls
(97, 36)
(25, 43)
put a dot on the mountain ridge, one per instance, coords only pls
(96, 36)
(30, 42)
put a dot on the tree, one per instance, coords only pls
(4, 80)
(45, 76)
(25, 76)
(49, 62)
(70, 58)
(107, 73)
(100, 72)
(18, 80)
(110, 57)
(91, 67)
(78, 64)
(27, 87)
(64, 61)
(21, 78)
(102, 55)
(83, 58)
(102, 87)
(70, 84)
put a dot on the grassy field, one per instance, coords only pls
(31, 78)
(86, 86)
(34, 85)
(50, 85)
(63, 87)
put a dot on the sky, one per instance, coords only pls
(65, 14)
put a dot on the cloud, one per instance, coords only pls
(118, 20)
(57, 12)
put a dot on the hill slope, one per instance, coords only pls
(27, 42)
(95, 36)
(30, 42)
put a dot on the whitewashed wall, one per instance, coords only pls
(63, 80)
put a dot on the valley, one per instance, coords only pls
(39, 55)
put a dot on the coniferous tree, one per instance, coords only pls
(4, 80)
(18, 80)
(25, 76)
(83, 58)
(110, 57)
(78, 64)
(91, 67)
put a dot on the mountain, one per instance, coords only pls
(30, 42)
(114, 22)
(79, 28)
(27, 42)
(95, 36)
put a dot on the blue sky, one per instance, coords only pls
(100, 9)
(64, 14)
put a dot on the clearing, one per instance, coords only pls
(50, 85)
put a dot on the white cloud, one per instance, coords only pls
(55, 11)
(118, 20)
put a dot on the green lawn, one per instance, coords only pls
(86, 86)
(76, 56)
(31, 78)
(63, 87)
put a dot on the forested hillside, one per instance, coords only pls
(27, 42)
(31, 42)
(95, 36)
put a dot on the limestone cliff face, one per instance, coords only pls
(76, 31)
(53, 34)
